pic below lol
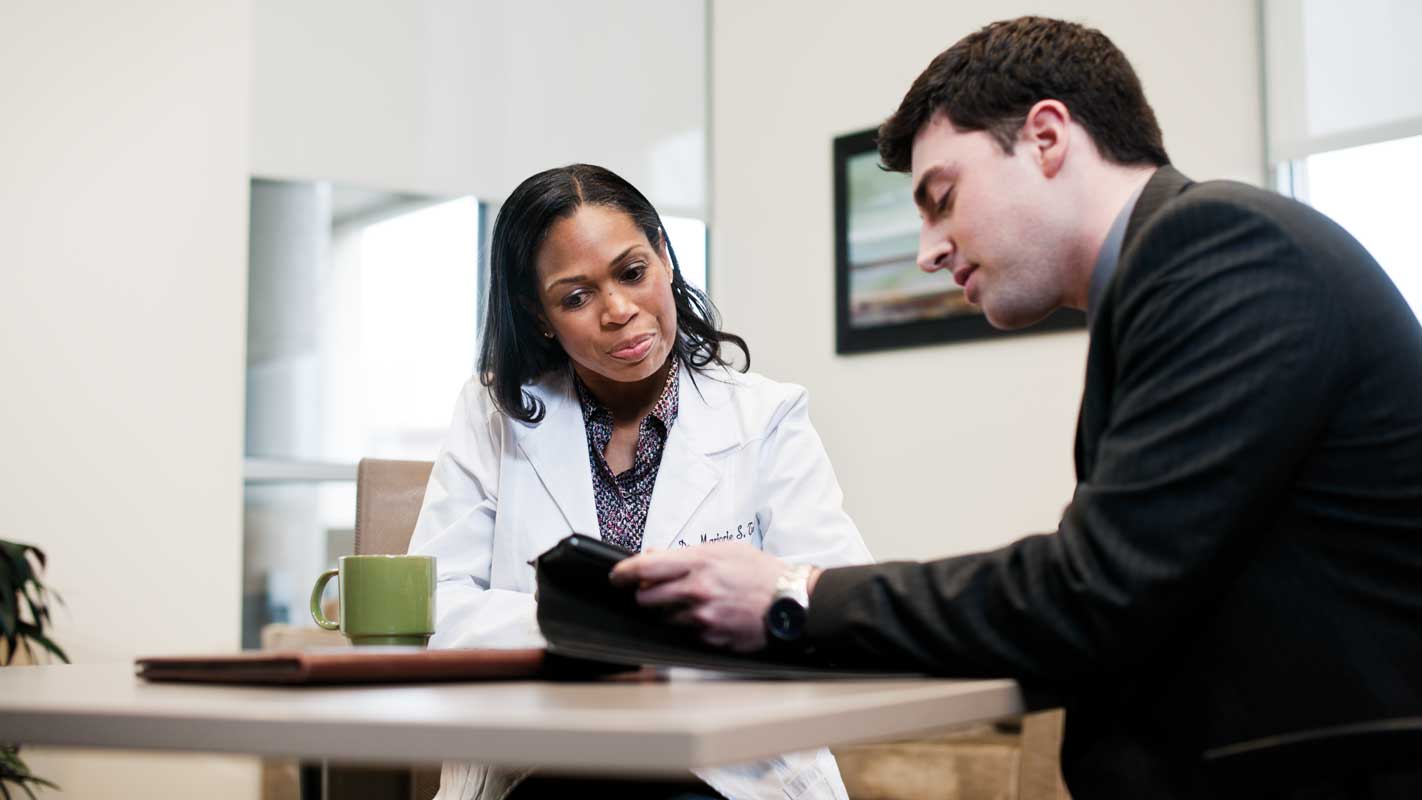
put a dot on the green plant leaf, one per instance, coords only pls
(30, 633)
(22, 591)
(9, 611)
(20, 566)
(7, 569)
(17, 553)
(14, 771)
(12, 550)
(34, 598)
(21, 587)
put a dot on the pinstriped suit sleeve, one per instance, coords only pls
(1228, 354)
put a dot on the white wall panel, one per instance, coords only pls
(455, 97)
(1341, 73)
(123, 213)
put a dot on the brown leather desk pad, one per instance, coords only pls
(366, 665)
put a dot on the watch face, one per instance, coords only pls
(786, 619)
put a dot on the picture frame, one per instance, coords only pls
(883, 301)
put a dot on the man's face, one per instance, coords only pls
(990, 218)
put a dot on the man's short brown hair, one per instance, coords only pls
(990, 79)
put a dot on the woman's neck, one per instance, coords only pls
(626, 401)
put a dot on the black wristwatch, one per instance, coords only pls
(790, 607)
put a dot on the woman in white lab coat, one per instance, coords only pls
(605, 404)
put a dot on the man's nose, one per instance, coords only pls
(935, 250)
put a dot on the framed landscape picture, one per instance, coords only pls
(882, 299)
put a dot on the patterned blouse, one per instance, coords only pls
(622, 500)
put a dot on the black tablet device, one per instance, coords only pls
(583, 562)
(583, 616)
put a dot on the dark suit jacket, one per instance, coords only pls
(1242, 556)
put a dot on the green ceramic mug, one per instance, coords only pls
(385, 600)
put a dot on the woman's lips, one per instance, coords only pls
(636, 349)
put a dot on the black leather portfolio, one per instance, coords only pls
(582, 615)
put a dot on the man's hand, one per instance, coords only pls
(724, 588)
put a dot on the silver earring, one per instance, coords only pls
(548, 334)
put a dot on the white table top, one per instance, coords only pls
(646, 727)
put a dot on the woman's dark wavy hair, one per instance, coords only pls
(514, 353)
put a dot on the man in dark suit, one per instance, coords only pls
(1239, 571)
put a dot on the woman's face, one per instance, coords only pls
(605, 294)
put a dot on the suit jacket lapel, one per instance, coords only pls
(705, 425)
(557, 450)
(1163, 186)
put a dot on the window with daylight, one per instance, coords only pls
(363, 325)
(1344, 119)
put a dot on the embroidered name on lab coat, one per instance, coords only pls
(741, 532)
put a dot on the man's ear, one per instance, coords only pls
(1046, 130)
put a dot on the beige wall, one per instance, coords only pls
(123, 206)
(942, 449)
(453, 97)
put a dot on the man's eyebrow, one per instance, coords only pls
(920, 190)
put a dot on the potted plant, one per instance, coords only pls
(25, 604)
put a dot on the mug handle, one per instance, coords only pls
(316, 601)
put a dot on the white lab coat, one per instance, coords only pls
(742, 462)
